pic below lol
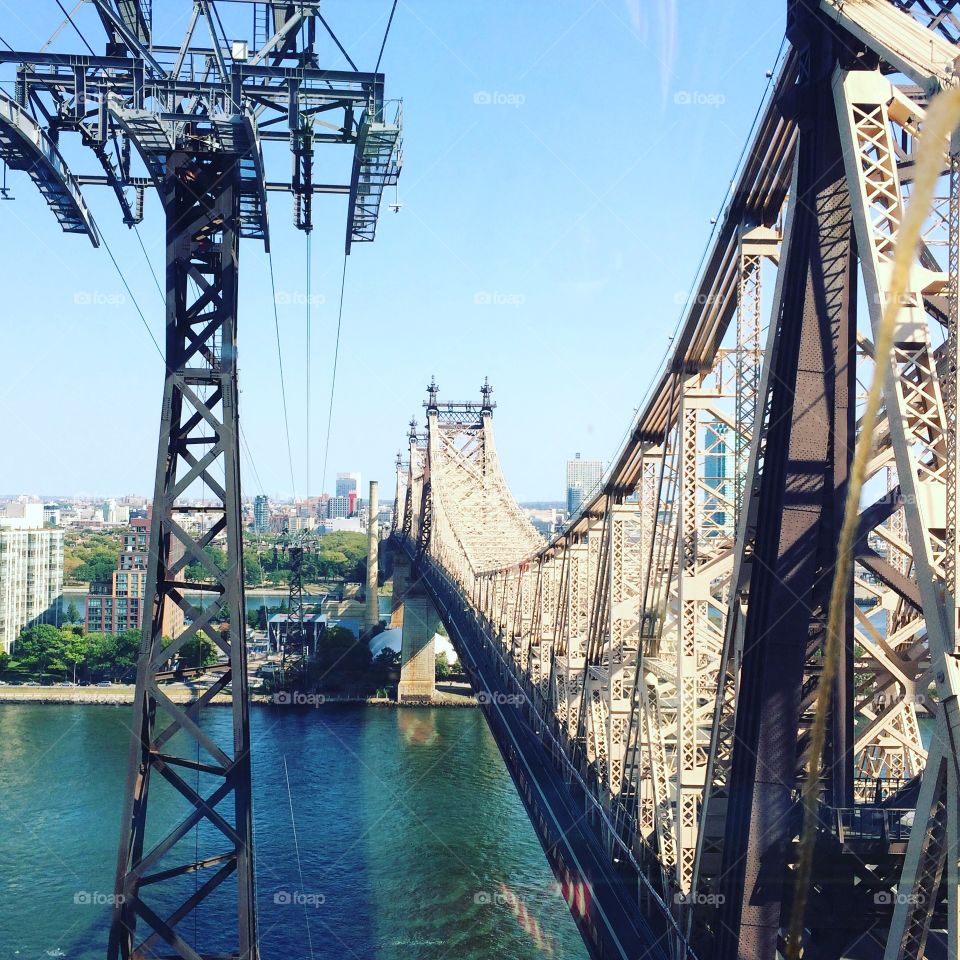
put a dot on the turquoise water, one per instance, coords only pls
(411, 836)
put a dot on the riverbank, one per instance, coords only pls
(448, 695)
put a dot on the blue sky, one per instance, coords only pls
(563, 161)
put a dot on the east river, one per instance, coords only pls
(412, 841)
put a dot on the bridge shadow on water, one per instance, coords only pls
(412, 840)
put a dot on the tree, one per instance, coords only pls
(443, 665)
(4, 660)
(101, 654)
(386, 667)
(199, 572)
(75, 652)
(126, 651)
(343, 662)
(40, 648)
(73, 614)
(198, 651)
(99, 566)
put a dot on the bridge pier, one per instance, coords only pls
(401, 578)
(418, 659)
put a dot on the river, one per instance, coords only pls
(408, 825)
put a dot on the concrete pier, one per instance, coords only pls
(418, 658)
(401, 577)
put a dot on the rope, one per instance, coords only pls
(942, 116)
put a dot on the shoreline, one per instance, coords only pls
(122, 695)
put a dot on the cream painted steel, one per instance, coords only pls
(628, 625)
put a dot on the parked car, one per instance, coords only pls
(105, 683)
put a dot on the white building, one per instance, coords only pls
(115, 513)
(31, 575)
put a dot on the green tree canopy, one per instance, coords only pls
(99, 566)
(40, 647)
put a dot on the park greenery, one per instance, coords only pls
(92, 555)
(67, 653)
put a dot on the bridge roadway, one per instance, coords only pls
(610, 919)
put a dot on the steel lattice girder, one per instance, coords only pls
(904, 541)
(198, 445)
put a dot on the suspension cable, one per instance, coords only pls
(296, 844)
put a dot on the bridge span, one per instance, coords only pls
(653, 672)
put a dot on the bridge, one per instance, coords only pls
(734, 738)
(652, 674)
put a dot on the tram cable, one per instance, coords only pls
(386, 34)
(309, 349)
(283, 388)
(333, 380)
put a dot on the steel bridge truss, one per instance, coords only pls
(671, 637)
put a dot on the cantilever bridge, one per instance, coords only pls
(652, 672)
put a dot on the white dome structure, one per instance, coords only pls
(392, 638)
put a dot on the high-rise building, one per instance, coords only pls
(261, 513)
(339, 506)
(718, 476)
(118, 604)
(348, 483)
(31, 574)
(582, 477)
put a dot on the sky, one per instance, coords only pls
(563, 161)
